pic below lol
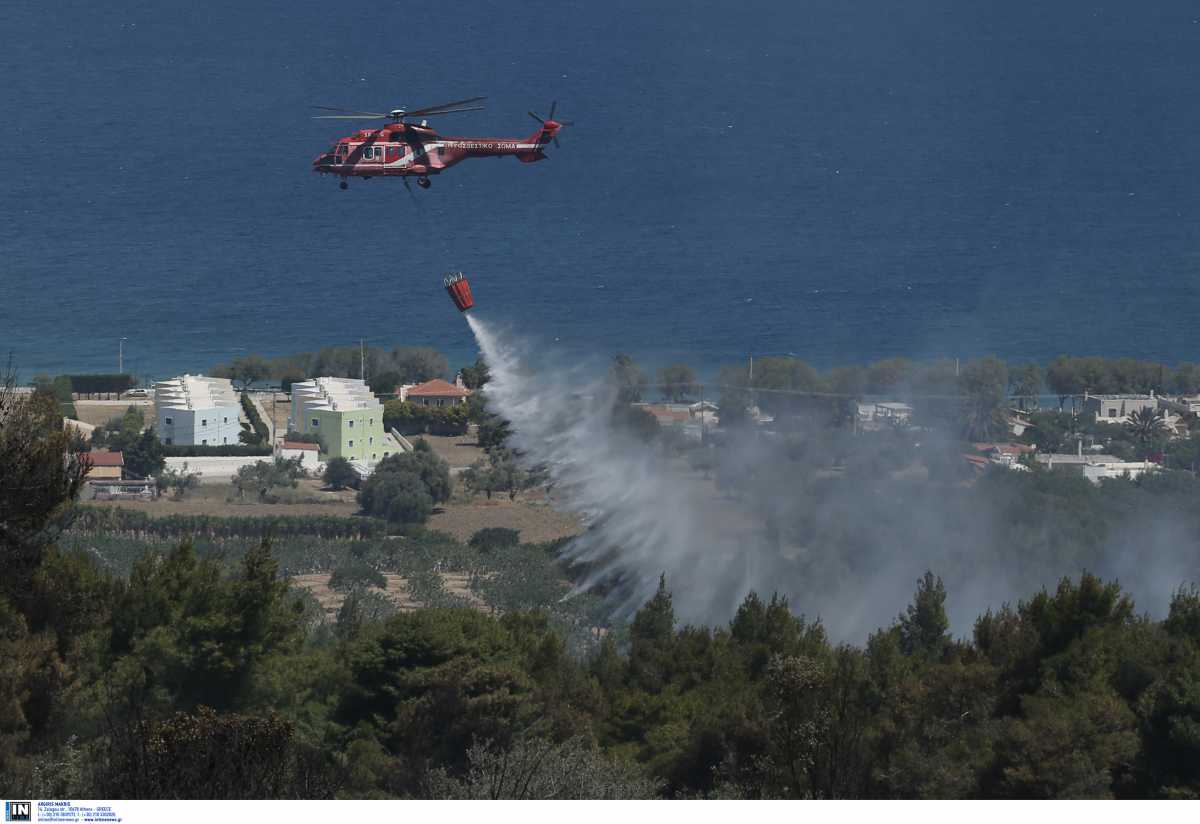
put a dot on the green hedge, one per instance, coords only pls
(410, 418)
(215, 451)
(256, 421)
(94, 384)
(107, 520)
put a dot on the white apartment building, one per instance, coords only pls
(197, 410)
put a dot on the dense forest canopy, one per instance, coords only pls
(174, 660)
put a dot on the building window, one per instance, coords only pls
(371, 439)
(204, 442)
(351, 424)
(224, 440)
(351, 444)
(227, 420)
(167, 441)
(315, 422)
(374, 455)
(1112, 413)
(371, 422)
(169, 421)
(204, 421)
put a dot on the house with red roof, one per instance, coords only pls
(308, 453)
(436, 392)
(105, 465)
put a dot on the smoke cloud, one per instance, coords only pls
(777, 524)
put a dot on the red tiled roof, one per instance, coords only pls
(301, 445)
(437, 388)
(106, 458)
(665, 414)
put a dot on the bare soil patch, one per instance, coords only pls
(531, 514)
(98, 413)
(460, 451)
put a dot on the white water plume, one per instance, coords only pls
(643, 519)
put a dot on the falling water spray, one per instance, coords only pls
(642, 519)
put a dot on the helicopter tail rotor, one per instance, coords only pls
(550, 126)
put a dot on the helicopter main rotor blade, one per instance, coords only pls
(553, 106)
(439, 108)
(444, 111)
(349, 111)
(348, 116)
(535, 117)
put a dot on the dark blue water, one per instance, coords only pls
(845, 181)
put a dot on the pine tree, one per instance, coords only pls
(924, 629)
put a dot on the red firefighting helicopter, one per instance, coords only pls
(404, 150)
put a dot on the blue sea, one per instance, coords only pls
(841, 180)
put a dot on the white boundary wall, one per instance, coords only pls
(215, 470)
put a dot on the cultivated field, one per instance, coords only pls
(397, 591)
(532, 513)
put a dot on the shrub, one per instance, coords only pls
(432, 471)
(179, 481)
(492, 538)
(400, 497)
(264, 477)
(339, 474)
(60, 388)
(404, 487)
(357, 575)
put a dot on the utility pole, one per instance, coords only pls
(121, 356)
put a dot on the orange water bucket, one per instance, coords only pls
(459, 290)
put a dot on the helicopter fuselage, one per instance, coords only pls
(407, 150)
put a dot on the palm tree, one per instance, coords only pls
(1146, 425)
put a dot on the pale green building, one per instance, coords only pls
(344, 414)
